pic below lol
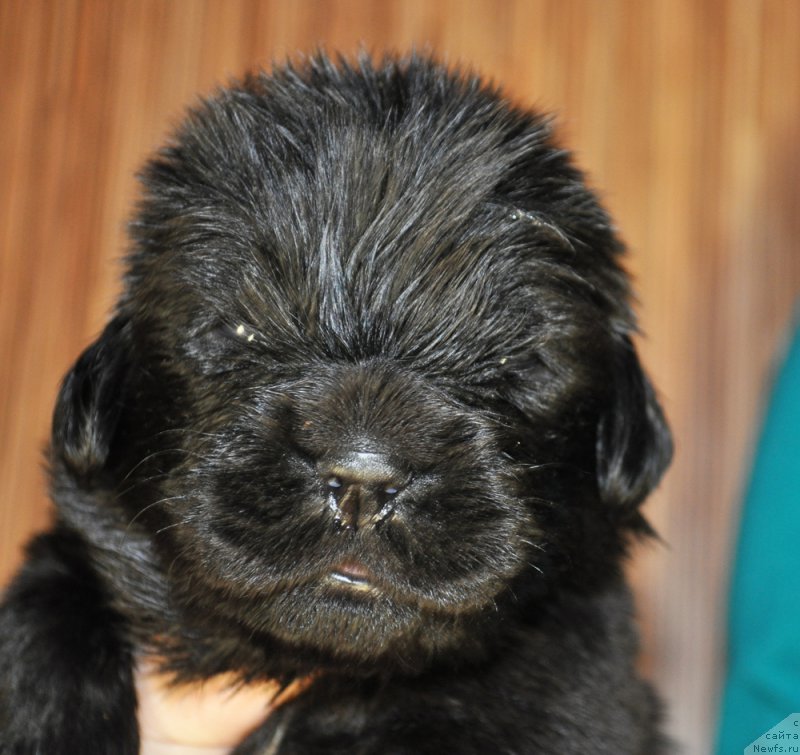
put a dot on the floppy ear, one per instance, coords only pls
(634, 445)
(90, 401)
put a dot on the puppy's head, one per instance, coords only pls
(371, 377)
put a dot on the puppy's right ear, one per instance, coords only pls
(90, 401)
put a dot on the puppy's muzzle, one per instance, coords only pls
(362, 487)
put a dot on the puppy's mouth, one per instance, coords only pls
(351, 574)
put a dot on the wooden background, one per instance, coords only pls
(686, 113)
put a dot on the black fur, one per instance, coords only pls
(369, 408)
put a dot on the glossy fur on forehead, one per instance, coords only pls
(348, 203)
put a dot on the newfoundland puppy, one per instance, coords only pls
(367, 414)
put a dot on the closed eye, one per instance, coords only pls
(222, 346)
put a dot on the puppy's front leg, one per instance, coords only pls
(66, 682)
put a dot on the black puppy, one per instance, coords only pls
(368, 410)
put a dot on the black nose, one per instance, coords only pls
(362, 486)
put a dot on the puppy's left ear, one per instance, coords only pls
(90, 402)
(634, 445)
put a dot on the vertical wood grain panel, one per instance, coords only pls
(685, 114)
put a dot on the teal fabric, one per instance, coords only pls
(763, 683)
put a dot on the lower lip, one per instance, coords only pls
(352, 583)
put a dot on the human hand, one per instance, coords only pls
(207, 718)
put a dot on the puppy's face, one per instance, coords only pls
(370, 380)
